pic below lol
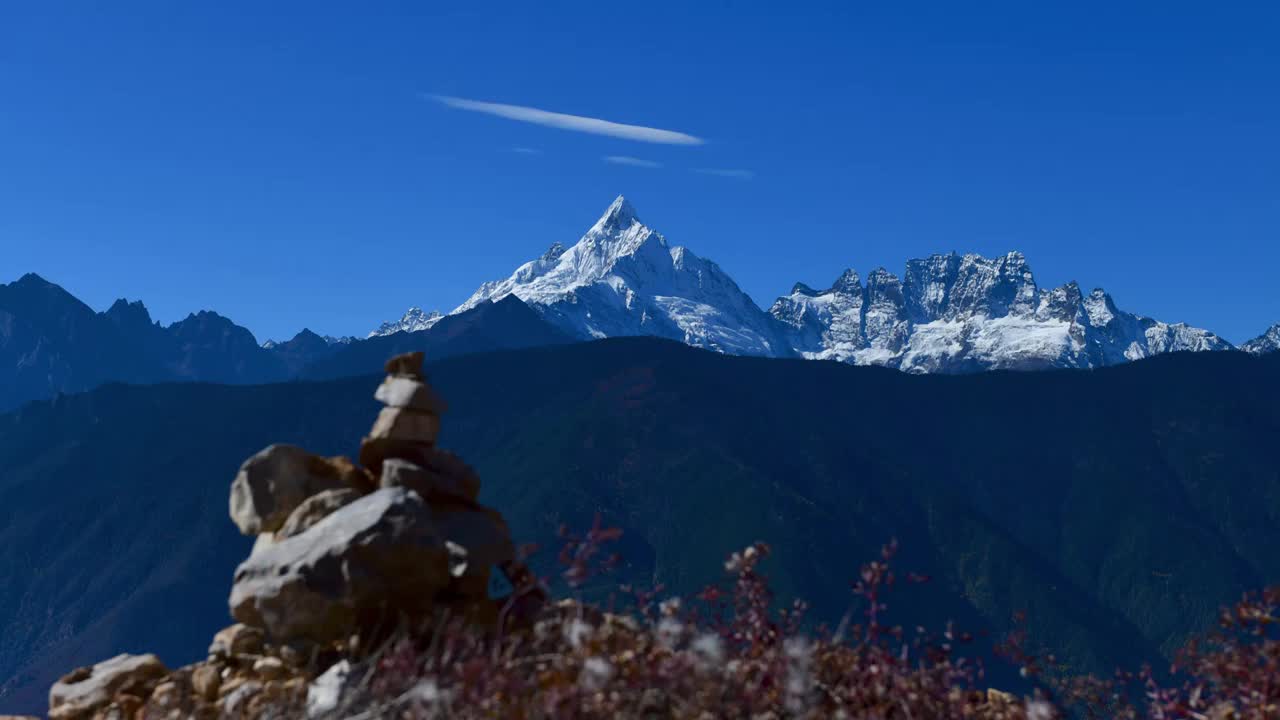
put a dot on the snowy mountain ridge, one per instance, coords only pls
(1267, 342)
(413, 320)
(947, 313)
(959, 313)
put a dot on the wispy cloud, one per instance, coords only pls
(526, 151)
(576, 123)
(728, 173)
(632, 161)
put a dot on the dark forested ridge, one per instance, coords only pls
(1119, 507)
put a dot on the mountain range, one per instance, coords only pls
(52, 343)
(947, 314)
(1118, 507)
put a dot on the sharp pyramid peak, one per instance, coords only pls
(620, 213)
(848, 282)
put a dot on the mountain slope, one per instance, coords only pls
(413, 320)
(956, 313)
(1117, 513)
(50, 342)
(622, 279)
(1267, 342)
(505, 324)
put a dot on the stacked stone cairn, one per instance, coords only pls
(345, 554)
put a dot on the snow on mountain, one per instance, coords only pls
(622, 278)
(413, 320)
(959, 313)
(947, 313)
(1267, 342)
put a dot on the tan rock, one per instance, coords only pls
(269, 668)
(278, 699)
(206, 680)
(314, 509)
(274, 482)
(1000, 697)
(124, 706)
(167, 694)
(403, 392)
(236, 702)
(404, 424)
(436, 475)
(406, 365)
(231, 683)
(238, 639)
(353, 475)
(85, 690)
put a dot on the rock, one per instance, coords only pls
(403, 392)
(375, 451)
(314, 509)
(485, 537)
(81, 692)
(438, 475)
(278, 699)
(381, 554)
(177, 697)
(404, 424)
(167, 694)
(406, 365)
(206, 681)
(1000, 697)
(124, 706)
(269, 668)
(271, 484)
(295, 654)
(325, 692)
(238, 639)
(236, 702)
(265, 540)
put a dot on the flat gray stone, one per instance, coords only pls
(377, 557)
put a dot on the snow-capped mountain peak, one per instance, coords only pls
(1267, 342)
(623, 278)
(945, 313)
(413, 320)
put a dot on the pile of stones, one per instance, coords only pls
(345, 553)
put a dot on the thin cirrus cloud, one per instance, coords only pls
(632, 161)
(526, 151)
(726, 172)
(576, 123)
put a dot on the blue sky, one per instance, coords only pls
(297, 164)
